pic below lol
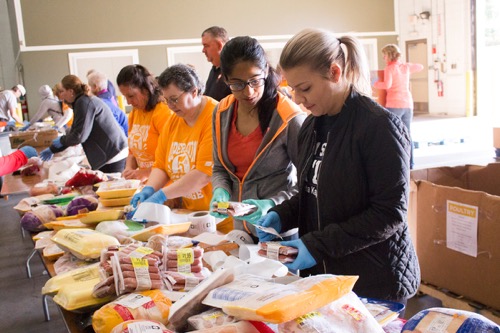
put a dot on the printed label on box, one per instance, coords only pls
(461, 227)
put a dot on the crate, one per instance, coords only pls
(37, 138)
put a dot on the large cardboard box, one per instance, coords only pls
(36, 138)
(456, 198)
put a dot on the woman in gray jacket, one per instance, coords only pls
(255, 134)
(94, 126)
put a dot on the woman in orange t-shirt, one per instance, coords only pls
(183, 163)
(145, 122)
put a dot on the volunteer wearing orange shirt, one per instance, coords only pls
(146, 120)
(184, 154)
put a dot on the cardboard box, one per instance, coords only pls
(496, 137)
(440, 191)
(37, 138)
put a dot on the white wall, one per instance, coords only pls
(8, 76)
(447, 32)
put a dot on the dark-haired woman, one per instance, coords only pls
(145, 121)
(94, 127)
(183, 163)
(255, 134)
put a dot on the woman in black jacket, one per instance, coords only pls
(94, 126)
(353, 171)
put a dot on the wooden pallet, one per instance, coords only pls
(458, 302)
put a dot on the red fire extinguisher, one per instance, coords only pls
(440, 88)
(24, 108)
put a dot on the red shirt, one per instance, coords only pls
(242, 149)
(12, 162)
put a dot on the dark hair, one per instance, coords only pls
(138, 76)
(73, 82)
(243, 49)
(183, 76)
(217, 32)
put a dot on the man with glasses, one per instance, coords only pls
(213, 40)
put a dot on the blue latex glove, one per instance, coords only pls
(11, 123)
(219, 195)
(29, 151)
(159, 197)
(304, 258)
(146, 192)
(262, 207)
(46, 154)
(57, 143)
(25, 127)
(271, 220)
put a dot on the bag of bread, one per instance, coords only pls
(146, 305)
(286, 302)
(346, 314)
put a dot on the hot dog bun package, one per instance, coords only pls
(145, 305)
(141, 326)
(286, 302)
(437, 320)
(83, 243)
(346, 314)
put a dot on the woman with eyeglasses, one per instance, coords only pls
(255, 134)
(145, 121)
(183, 163)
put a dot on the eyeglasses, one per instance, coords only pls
(254, 83)
(174, 100)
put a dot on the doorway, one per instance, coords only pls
(416, 52)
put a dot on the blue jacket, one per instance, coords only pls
(119, 115)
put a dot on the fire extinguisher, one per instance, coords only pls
(440, 88)
(24, 108)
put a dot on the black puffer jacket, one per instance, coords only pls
(363, 188)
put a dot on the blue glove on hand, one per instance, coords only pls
(29, 151)
(271, 220)
(11, 123)
(146, 192)
(46, 154)
(262, 207)
(219, 195)
(25, 127)
(159, 197)
(304, 258)
(57, 143)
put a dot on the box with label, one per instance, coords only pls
(457, 227)
(36, 138)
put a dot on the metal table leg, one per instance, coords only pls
(45, 307)
(28, 269)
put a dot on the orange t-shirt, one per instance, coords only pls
(144, 128)
(182, 148)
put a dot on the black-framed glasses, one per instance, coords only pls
(174, 100)
(253, 83)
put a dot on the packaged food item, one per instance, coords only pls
(233, 208)
(68, 262)
(147, 305)
(185, 260)
(276, 251)
(52, 252)
(71, 277)
(435, 320)
(36, 219)
(161, 229)
(118, 188)
(29, 203)
(82, 204)
(346, 314)
(83, 243)
(286, 302)
(141, 326)
(79, 297)
(210, 318)
(238, 327)
(86, 177)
